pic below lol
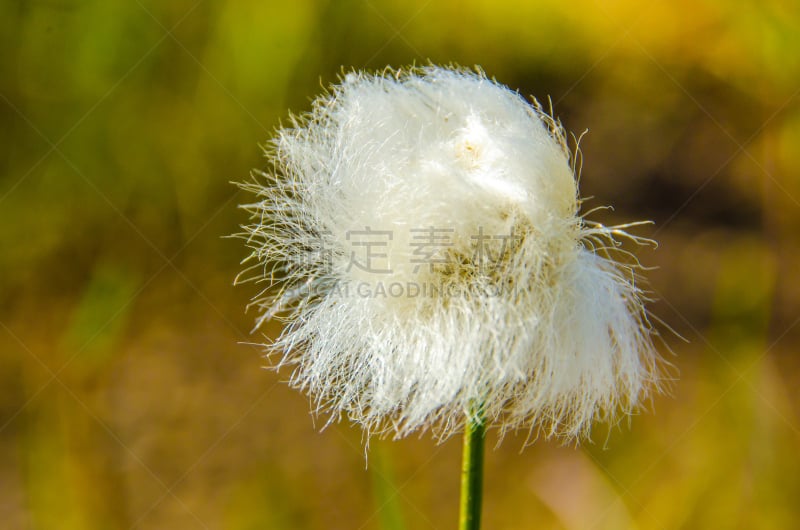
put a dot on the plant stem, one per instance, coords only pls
(472, 472)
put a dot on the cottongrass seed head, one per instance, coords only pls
(419, 235)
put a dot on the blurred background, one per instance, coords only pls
(127, 399)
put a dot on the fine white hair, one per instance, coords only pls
(517, 306)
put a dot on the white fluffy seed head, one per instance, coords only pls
(419, 235)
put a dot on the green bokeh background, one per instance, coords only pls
(126, 398)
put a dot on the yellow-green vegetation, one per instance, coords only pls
(125, 398)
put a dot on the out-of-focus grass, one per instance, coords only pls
(385, 488)
(125, 400)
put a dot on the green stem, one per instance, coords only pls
(472, 473)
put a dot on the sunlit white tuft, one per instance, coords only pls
(547, 334)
